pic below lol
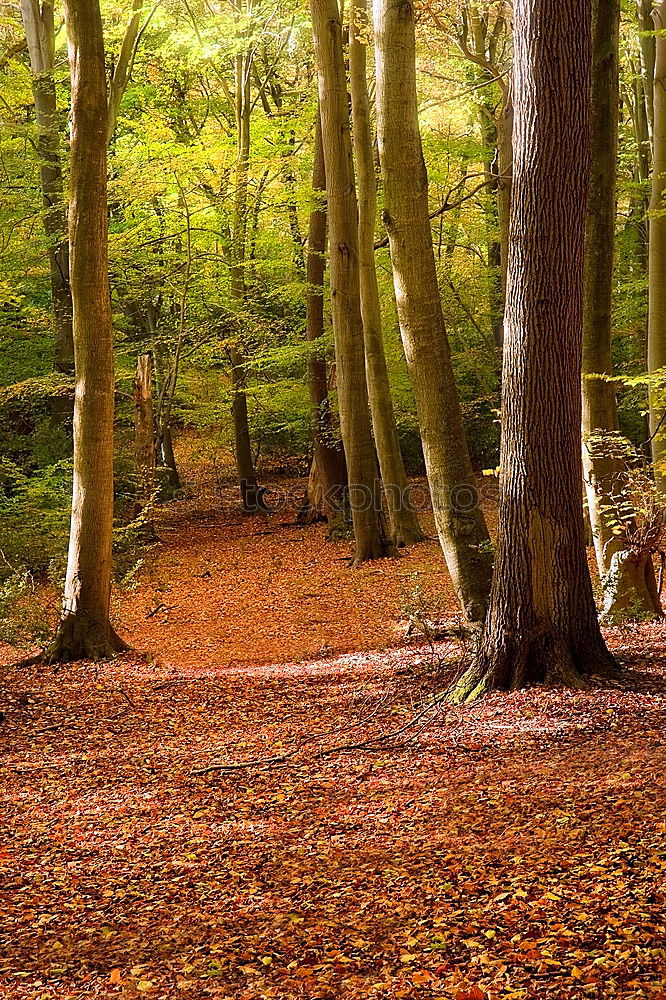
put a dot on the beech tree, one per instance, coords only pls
(405, 527)
(364, 484)
(38, 24)
(328, 476)
(460, 522)
(542, 620)
(626, 572)
(85, 629)
(657, 258)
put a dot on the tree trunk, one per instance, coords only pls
(601, 469)
(657, 280)
(167, 470)
(251, 494)
(85, 629)
(364, 485)
(144, 441)
(328, 479)
(405, 527)
(630, 587)
(542, 620)
(460, 523)
(123, 67)
(39, 31)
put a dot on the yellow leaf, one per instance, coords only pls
(144, 984)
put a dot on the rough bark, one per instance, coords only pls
(542, 620)
(39, 30)
(328, 477)
(144, 441)
(364, 485)
(657, 268)
(85, 629)
(460, 522)
(405, 527)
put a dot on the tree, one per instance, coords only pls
(405, 527)
(364, 486)
(328, 478)
(460, 522)
(657, 259)
(542, 620)
(85, 629)
(628, 573)
(38, 24)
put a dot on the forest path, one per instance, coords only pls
(222, 589)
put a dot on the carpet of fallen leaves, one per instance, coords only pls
(512, 849)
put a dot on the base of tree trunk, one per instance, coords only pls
(546, 660)
(630, 589)
(404, 535)
(79, 639)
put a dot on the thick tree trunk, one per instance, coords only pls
(542, 621)
(39, 31)
(85, 629)
(405, 527)
(460, 523)
(657, 280)
(328, 478)
(144, 441)
(364, 485)
(251, 494)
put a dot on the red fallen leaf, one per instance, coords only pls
(473, 993)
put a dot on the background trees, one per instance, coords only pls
(211, 211)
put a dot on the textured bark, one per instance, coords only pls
(405, 527)
(85, 629)
(601, 470)
(328, 477)
(144, 439)
(39, 30)
(542, 621)
(657, 280)
(460, 523)
(364, 485)
(251, 494)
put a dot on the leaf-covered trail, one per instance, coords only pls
(223, 589)
(514, 849)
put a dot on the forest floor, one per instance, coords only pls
(512, 849)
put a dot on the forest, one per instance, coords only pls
(333, 499)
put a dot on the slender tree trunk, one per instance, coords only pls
(542, 621)
(657, 279)
(648, 55)
(405, 527)
(144, 441)
(328, 479)
(85, 629)
(364, 485)
(123, 67)
(630, 587)
(247, 476)
(601, 470)
(39, 31)
(166, 458)
(460, 523)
